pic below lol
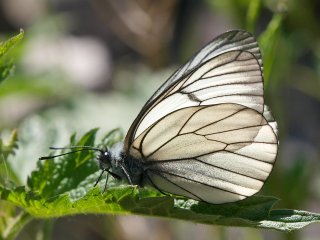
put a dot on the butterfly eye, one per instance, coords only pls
(104, 159)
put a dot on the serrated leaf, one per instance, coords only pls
(65, 187)
(57, 177)
(5, 46)
(7, 66)
(253, 212)
(8, 148)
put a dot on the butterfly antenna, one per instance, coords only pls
(79, 149)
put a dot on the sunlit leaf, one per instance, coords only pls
(6, 66)
(65, 187)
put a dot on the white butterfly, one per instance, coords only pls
(205, 133)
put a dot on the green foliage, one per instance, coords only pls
(65, 187)
(8, 216)
(8, 148)
(253, 14)
(268, 41)
(52, 179)
(7, 66)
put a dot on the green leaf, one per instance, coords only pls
(252, 212)
(6, 66)
(8, 148)
(53, 178)
(252, 14)
(10, 222)
(268, 42)
(288, 220)
(65, 187)
(5, 46)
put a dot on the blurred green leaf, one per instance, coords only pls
(65, 187)
(8, 148)
(5, 46)
(268, 42)
(252, 14)
(14, 225)
(7, 66)
(10, 222)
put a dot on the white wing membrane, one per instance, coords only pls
(226, 42)
(233, 77)
(220, 153)
(206, 133)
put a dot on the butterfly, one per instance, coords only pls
(205, 134)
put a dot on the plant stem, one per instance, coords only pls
(15, 225)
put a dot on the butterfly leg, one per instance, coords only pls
(116, 176)
(98, 179)
(127, 175)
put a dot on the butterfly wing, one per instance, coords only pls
(206, 133)
(239, 40)
(232, 77)
(219, 153)
(229, 41)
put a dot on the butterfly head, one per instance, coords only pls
(104, 159)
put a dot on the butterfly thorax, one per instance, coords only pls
(125, 166)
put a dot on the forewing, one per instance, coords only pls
(228, 41)
(220, 153)
(232, 77)
(235, 40)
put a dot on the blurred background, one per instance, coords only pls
(94, 63)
